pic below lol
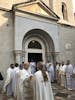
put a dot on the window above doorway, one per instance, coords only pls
(34, 45)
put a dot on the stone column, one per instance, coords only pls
(48, 56)
(19, 56)
(57, 56)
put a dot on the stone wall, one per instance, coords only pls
(6, 40)
(67, 43)
(57, 8)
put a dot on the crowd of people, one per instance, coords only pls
(31, 81)
(65, 75)
(28, 81)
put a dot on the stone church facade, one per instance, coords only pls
(39, 30)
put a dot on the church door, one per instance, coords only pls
(36, 57)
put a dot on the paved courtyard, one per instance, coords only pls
(62, 94)
(59, 93)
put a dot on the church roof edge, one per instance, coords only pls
(36, 14)
(67, 25)
(35, 2)
(4, 9)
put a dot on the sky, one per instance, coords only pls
(74, 5)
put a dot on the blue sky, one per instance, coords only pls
(74, 5)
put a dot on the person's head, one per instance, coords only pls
(23, 64)
(20, 66)
(12, 66)
(26, 66)
(62, 63)
(50, 64)
(56, 63)
(59, 63)
(48, 61)
(42, 67)
(68, 62)
(16, 64)
(39, 66)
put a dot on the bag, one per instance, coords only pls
(1, 77)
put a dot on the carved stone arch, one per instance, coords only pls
(44, 39)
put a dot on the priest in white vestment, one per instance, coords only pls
(19, 83)
(50, 70)
(69, 71)
(33, 67)
(62, 75)
(22, 75)
(73, 79)
(42, 85)
(8, 82)
(57, 72)
(27, 84)
(14, 80)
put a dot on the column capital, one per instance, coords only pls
(19, 55)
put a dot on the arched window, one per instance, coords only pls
(34, 45)
(64, 11)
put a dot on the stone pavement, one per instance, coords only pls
(59, 93)
(62, 94)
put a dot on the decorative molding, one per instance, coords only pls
(68, 46)
(19, 52)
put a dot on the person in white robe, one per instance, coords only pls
(68, 72)
(33, 67)
(57, 72)
(16, 68)
(42, 85)
(8, 82)
(14, 80)
(47, 64)
(50, 70)
(19, 83)
(22, 74)
(73, 79)
(27, 84)
(60, 70)
(62, 75)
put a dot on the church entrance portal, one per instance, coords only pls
(36, 57)
(38, 46)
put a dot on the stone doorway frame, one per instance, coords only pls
(27, 50)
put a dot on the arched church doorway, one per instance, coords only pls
(38, 46)
(36, 56)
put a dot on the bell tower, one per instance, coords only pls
(64, 9)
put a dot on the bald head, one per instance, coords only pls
(26, 65)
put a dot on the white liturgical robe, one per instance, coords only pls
(50, 70)
(69, 71)
(42, 90)
(33, 67)
(8, 82)
(21, 76)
